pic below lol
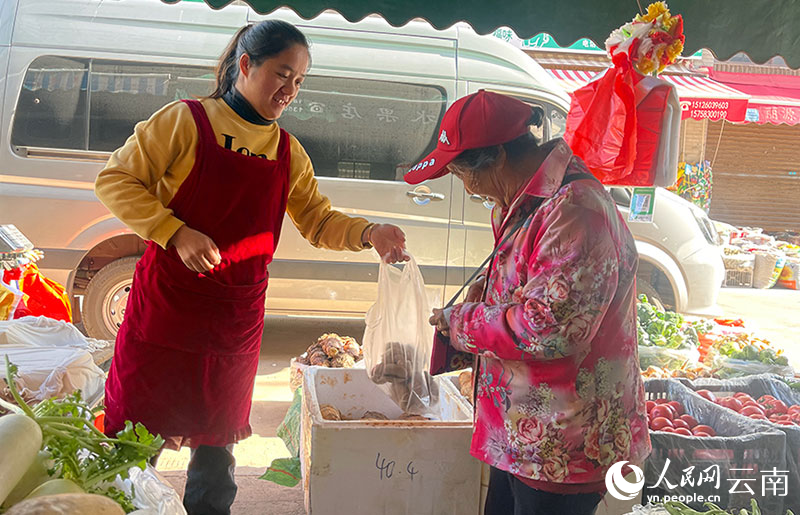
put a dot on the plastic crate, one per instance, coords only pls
(743, 449)
(756, 386)
(741, 278)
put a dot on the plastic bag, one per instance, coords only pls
(790, 277)
(44, 297)
(728, 367)
(151, 493)
(601, 124)
(625, 127)
(756, 386)
(741, 448)
(53, 357)
(9, 298)
(670, 359)
(398, 339)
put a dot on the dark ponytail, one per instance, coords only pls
(261, 42)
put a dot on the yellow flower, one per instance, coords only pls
(646, 65)
(655, 10)
(674, 50)
(670, 22)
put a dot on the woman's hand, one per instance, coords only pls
(441, 320)
(475, 290)
(389, 241)
(197, 251)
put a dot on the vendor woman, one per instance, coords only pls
(187, 353)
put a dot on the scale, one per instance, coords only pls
(15, 249)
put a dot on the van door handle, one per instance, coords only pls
(483, 200)
(424, 197)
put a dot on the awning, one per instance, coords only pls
(761, 28)
(773, 98)
(701, 98)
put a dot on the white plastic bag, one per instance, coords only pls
(398, 339)
(152, 494)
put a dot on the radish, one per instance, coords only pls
(20, 441)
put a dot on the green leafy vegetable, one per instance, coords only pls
(78, 450)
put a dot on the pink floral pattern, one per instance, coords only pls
(559, 393)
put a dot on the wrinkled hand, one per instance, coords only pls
(441, 320)
(475, 291)
(390, 242)
(197, 251)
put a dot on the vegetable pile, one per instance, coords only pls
(766, 407)
(665, 329)
(670, 417)
(54, 448)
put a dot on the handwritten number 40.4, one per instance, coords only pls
(386, 468)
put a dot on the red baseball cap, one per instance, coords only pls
(482, 119)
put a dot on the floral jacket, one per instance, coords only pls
(559, 395)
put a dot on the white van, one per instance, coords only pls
(78, 74)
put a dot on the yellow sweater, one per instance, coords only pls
(141, 177)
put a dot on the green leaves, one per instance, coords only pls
(79, 451)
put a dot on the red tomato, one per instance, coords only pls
(700, 433)
(690, 420)
(757, 416)
(648, 406)
(683, 431)
(753, 404)
(766, 398)
(663, 410)
(100, 421)
(707, 394)
(668, 430)
(785, 423)
(678, 423)
(677, 407)
(743, 397)
(730, 403)
(661, 401)
(703, 429)
(660, 423)
(751, 410)
(794, 408)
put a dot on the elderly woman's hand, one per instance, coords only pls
(475, 291)
(441, 320)
(389, 241)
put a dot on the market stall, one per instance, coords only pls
(54, 454)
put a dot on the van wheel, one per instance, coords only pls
(106, 297)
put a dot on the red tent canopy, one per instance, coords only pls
(773, 98)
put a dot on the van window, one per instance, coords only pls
(365, 129)
(558, 123)
(91, 104)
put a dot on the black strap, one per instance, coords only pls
(567, 179)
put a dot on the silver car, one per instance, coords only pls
(368, 110)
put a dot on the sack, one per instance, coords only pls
(44, 297)
(398, 339)
(625, 126)
(790, 277)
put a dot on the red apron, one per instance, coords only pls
(187, 352)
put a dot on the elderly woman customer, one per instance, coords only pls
(552, 324)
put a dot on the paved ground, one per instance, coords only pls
(775, 313)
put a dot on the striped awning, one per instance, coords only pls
(701, 98)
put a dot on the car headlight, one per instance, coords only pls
(705, 225)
